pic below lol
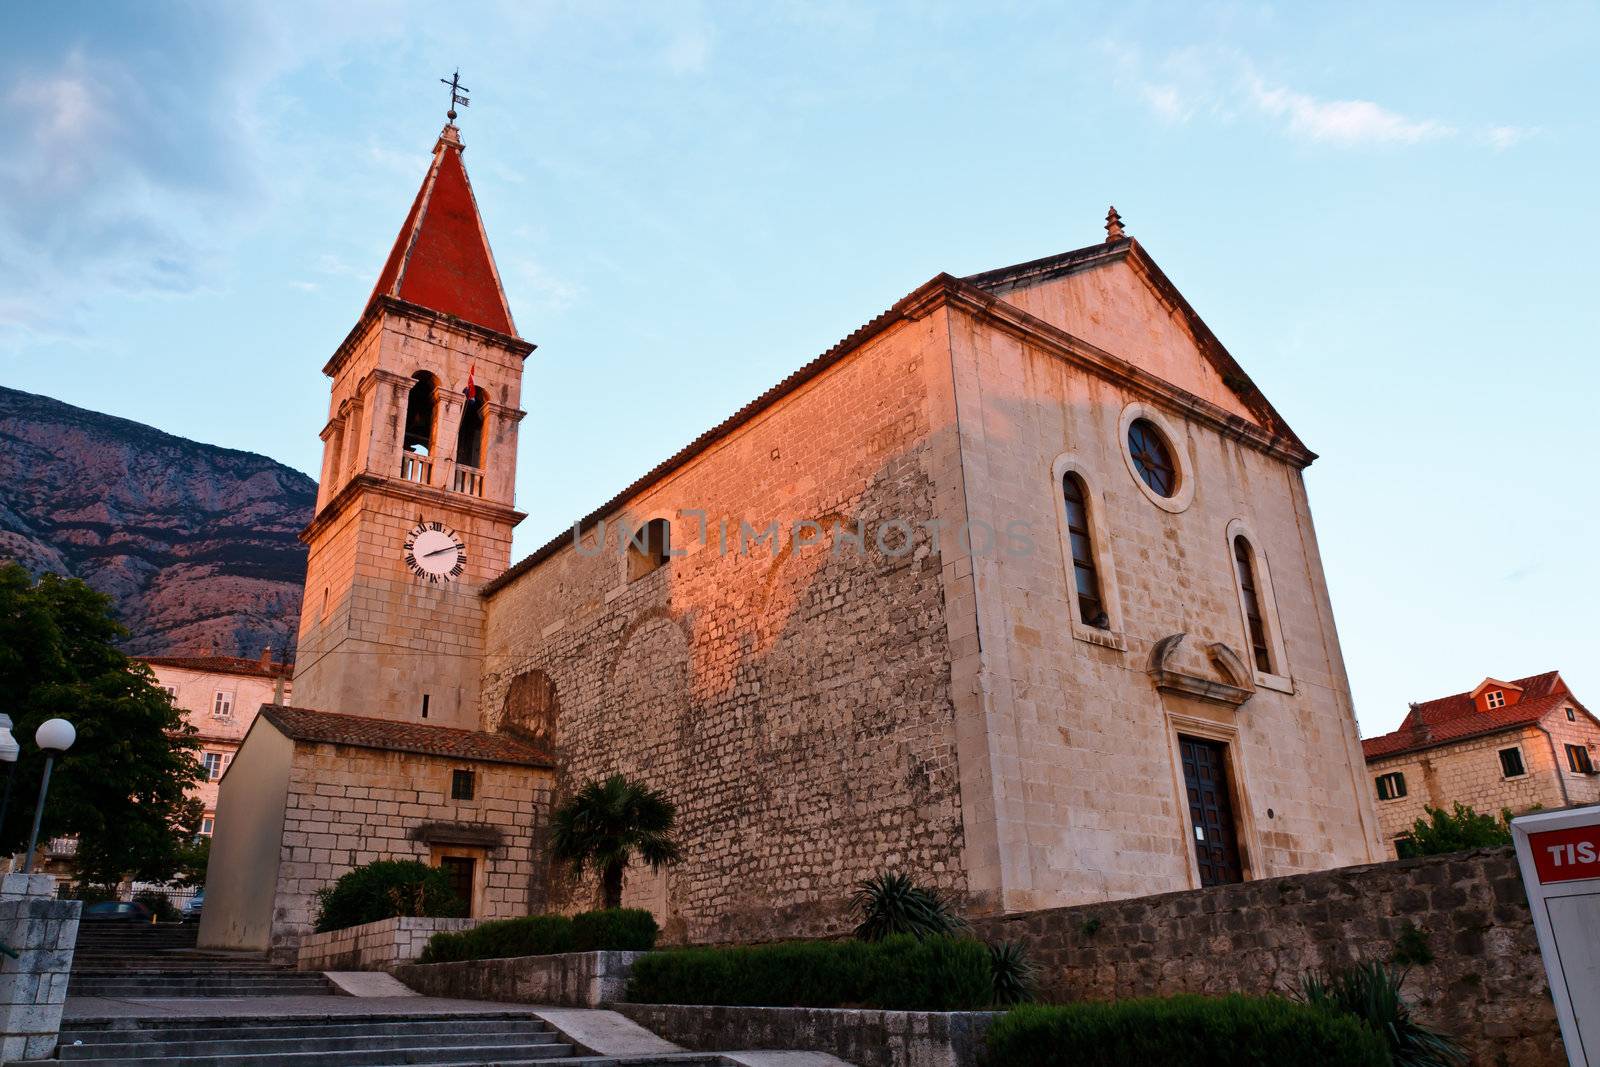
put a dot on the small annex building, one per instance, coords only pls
(1498, 746)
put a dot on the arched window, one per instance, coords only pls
(1260, 650)
(1086, 579)
(419, 415)
(649, 548)
(469, 437)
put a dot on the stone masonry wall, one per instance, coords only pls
(571, 979)
(43, 931)
(868, 1038)
(349, 806)
(1485, 985)
(794, 702)
(379, 946)
(1470, 773)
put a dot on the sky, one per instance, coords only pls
(1386, 212)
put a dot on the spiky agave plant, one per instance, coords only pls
(1015, 977)
(1371, 992)
(891, 903)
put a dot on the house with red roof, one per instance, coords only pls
(1501, 745)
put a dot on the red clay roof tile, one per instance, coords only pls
(331, 728)
(1456, 718)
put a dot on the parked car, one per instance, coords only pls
(192, 906)
(116, 911)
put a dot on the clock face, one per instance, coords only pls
(435, 552)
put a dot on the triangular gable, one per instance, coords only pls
(1494, 683)
(1115, 297)
(441, 259)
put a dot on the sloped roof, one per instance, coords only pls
(222, 665)
(1456, 718)
(986, 286)
(331, 728)
(441, 259)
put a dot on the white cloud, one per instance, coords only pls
(1343, 122)
(1223, 85)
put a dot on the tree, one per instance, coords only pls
(606, 824)
(1455, 831)
(121, 788)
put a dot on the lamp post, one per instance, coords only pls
(9, 751)
(55, 736)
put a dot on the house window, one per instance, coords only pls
(214, 764)
(207, 825)
(1495, 698)
(648, 548)
(1511, 763)
(1578, 760)
(1572, 716)
(172, 694)
(222, 705)
(461, 785)
(1260, 651)
(1391, 786)
(1086, 579)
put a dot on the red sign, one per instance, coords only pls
(1566, 855)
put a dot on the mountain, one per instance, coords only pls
(195, 543)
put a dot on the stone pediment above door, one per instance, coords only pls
(1231, 688)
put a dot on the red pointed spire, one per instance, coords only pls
(441, 260)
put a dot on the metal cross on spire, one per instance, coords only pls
(458, 93)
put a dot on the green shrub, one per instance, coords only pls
(892, 904)
(1443, 831)
(533, 935)
(1370, 993)
(623, 929)
(385, 889)
(897, 973)
(1183, 1031)
(614, 929)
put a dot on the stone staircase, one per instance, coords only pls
(138, 960)
(478, 1040)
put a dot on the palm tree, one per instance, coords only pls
(606, 824)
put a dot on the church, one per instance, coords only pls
(1015, 589)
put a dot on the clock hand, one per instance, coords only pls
(439, 551)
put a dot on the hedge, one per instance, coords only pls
(897, 973)
(1183, 1031)
(626, 929)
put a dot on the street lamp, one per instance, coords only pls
(55, 736)
(9, 751)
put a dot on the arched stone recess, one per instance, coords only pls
(531, 707)
(645, 697)
(1104, 556)
(1279, 677)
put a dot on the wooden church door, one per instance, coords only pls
(1216, 837)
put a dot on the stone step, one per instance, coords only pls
(326, 1044)
(463, 1053)
(273, 985)
(454, 1025)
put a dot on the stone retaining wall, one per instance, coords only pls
(1485, 983)
(43, 931)
(865, 1038)
(379, 946)
(571, 979)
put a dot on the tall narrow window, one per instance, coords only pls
(1086, 579)
(469, 437)
(1260, 651)
(419, 415)
(222, 704)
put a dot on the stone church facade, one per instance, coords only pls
(1015, 589)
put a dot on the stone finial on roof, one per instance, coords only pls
(1114, 230)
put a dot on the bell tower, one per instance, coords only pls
(415, 505)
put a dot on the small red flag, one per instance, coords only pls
(471, 390)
